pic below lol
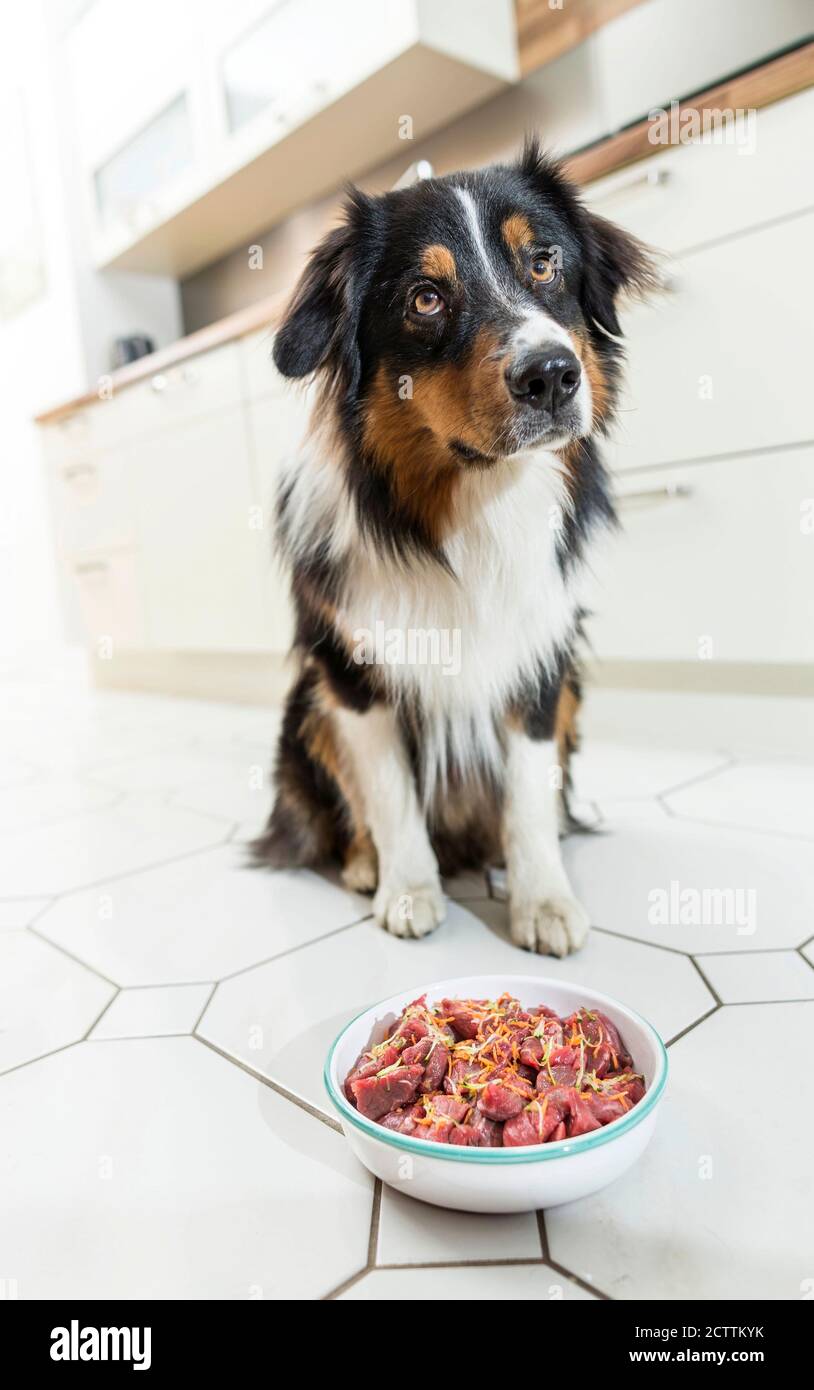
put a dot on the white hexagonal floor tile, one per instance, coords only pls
(412, 1232)
(631, 878)
(176, 770)
(776, 796)
(474, 1283)
(16, 915)
(240, 791)
(616, 771)
(719, 1207)
(100, 845)
(759, 977)
(46, 999)
(175, 1175)
(47, 799)
(152, 1012)
(197, 919)
(281, 1018)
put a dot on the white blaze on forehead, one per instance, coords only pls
(496, 275)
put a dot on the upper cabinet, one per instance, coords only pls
(195, 138)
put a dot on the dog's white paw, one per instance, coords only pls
(553, 926)
(410, 911)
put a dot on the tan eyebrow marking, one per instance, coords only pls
(517, 233)
(438, 263)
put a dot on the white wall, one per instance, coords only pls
(41, 359)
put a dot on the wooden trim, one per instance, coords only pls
(781, 678)
(761, 86)
(264, 313)
(544, 34)
(772, 81)
(243, 678)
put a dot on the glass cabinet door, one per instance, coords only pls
(130, 184)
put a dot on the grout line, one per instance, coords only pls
(291, 950)
(690, 1026)
(758, 951)
(727, 762)
(272, 1085)
(746, 1003)
(508, 1262)
(560, 1268)
(348, 1284)
(713, 991)
(543, 1234)
(375, 1223)
(114, 995)
(206, 1004)
(641, 941)
(55, 945)
(143, 869)
(30, 1061)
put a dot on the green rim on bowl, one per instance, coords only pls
(528, 1153)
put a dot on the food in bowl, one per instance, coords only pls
(491, 1073)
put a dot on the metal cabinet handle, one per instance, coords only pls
(660, 492)
(180, 376)
(92, 567)
(79, 470)
(647, 178)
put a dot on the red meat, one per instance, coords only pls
(506, 1096)
(368, 1066)
(377, 1095)
(463, 1015)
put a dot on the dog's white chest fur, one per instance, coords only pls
(458, 646)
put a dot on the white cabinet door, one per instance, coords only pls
(721, 366)
(724, 572)
(277, 425)
(201, 555)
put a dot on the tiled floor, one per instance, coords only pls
(164, 1015)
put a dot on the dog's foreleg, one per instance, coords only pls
(544, 914)
(409, 900)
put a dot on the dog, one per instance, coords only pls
(464, 338)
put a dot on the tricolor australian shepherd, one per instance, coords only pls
(465, 338)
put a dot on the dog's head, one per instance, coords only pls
(466, 318)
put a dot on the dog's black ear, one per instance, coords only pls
(616, 263)
(321, 322)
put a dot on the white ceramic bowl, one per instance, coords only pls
(501, 1180)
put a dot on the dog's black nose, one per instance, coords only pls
(544, 380)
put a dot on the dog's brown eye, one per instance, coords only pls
(427, 303)
(543, 270)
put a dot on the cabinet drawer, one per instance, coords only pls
(107, 587)
(202, 557)
(720, 365)
(723, 571)
(84, 432)
(92, 505)
(694, 194)
(199, 386)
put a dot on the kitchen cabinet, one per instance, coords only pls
(714, 563)
(243, 134)
(201, 559)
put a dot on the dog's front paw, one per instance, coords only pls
(553, 926)
(409, 911)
